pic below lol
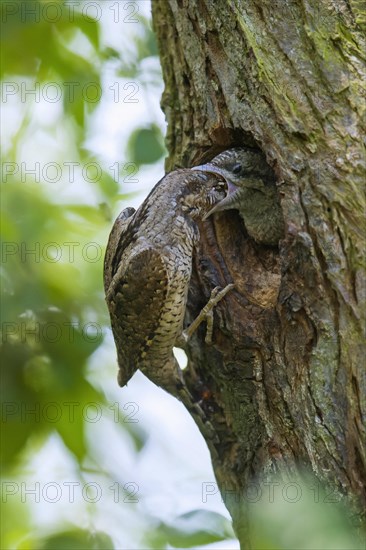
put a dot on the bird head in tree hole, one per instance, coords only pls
(252, 190)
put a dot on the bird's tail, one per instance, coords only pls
(126, 370)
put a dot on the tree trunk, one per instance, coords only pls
(283, 383)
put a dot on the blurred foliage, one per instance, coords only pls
(145, 145)
(75, 539)
(54, 317)
(53, 252)
(196, 528)
(35, 44)
(302, 514)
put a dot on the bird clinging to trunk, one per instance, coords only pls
(147, 270)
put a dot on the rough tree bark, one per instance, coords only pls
(284, 381)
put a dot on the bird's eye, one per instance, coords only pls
(220, 185)
(236, 169)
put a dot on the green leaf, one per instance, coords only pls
(77, 540)
(15, 517)
(146, 45)
(192, 529)
(108, 185)
(146, 145)
(17, 400)
(89, 28)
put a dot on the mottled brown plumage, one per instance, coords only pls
(147, 270)
(252, 190)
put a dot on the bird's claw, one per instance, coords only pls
(206, 314)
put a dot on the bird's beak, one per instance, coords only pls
(232, 189)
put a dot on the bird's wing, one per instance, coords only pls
(135, 300)
(114, 241)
